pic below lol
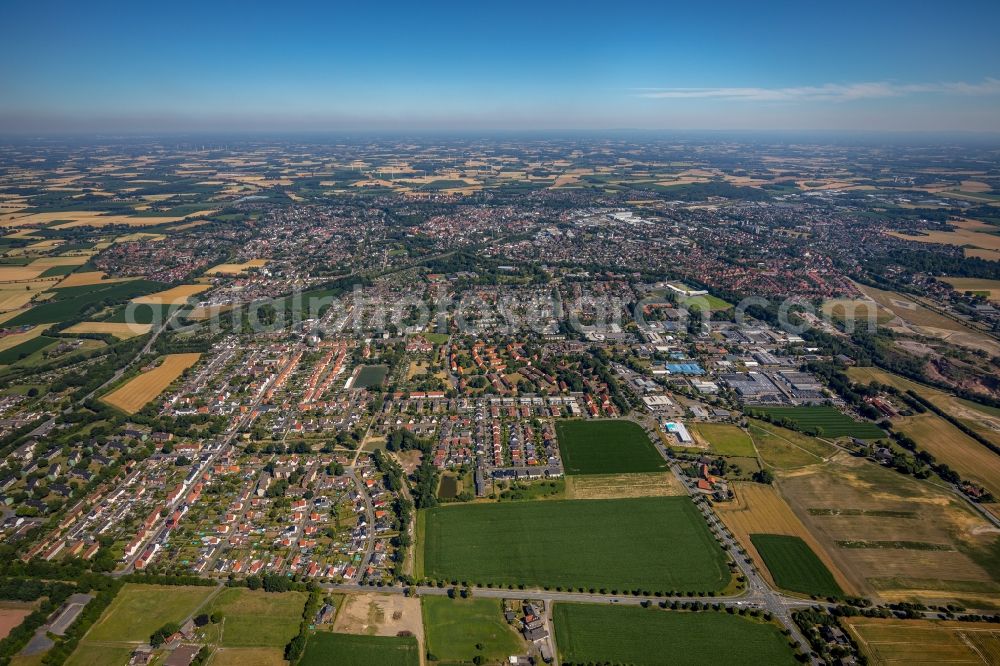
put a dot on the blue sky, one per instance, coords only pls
(178, 66)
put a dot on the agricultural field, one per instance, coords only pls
(912, 318)
(967, 234)
(121, 331)
(14, 339)
(976, 286)
(886, 641)
(236, 269)
(610, 446)
(782, 448)
(953, 447)
(725, 439)
(794, 566)
(591, 633)
(616, 486)
(894, 536)
(827, 421)
(100, 655)
(139, 610)
(454, 627)
(759, 509)
(249, 657)
(27, 348)
(980, 418)
(940, 438)
(325, 648)
(655, 543)
(174, 296)
(71, 302)
(135, 393)
(242, 610)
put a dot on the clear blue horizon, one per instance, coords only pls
(193, 67)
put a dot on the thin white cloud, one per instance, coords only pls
(830, 92)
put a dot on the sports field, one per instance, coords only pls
(726, 439)
(139, 610)
(652, 543)
(325, 648)
(827, 420)
(592, 633)
(135, 393)
(886, 641)
(610, 446)
(454, 627)
(794, 566)
(243, 610)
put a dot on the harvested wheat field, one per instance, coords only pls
(380, 615)
(886, 641)
(88, 278)
(16, 295)
(8, 341)
(990, 288)
(66, 260)
(759, 509)
(895, 536)
(982, 419)
(120, 331)
(967, 232)
(19, 273)
(236, 269)
(174, 296)
(134, 394)
(616, 486)
(130, 220)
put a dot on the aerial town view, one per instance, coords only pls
(304, 361)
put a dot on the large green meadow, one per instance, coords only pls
(591, 633)
(606, 446)
(794, 566)
(653, 544)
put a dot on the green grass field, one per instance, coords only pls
(99, 655)
(782, 448)
(143, 313)
(436, 338)
(139, 610)
(832, 422)
(794, 566)
(56, 271)
(325, 648)
(25, 349)
(243, 610)
(726, 439)
(592, 633)
(609, 446)
(652, 543)
(370, 375)
(706, 302)
(453, 628)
